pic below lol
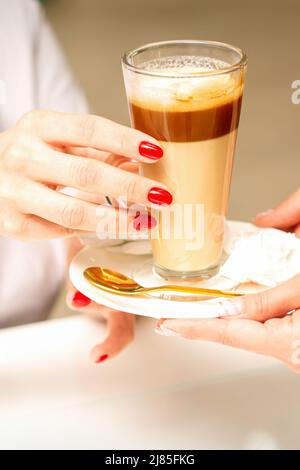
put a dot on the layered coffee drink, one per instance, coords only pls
(191, 105)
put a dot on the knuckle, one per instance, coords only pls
(88, 128)
(124, 140)
(17, 154)
(131, 187)
(9, 187)
(72, 215)
(261, 304)
(225, 336)
(28, 120)
(15, 226)
(84, 175)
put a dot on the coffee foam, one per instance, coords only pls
(184, 64)
(179, 92)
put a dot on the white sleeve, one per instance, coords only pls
(42, 79)
(56, 87)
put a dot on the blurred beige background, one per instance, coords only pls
(95, 33)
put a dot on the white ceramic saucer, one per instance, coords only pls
(134, 259)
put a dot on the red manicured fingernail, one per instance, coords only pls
(149, 150)
(102, 358)
(144, 222)
(160, 196)
(80, 300)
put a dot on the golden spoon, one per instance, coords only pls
(117, 283)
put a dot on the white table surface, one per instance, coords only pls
(162, 392)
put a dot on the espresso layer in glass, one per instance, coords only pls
(187, 126)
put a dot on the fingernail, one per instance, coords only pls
(101, 358)
(160, 196)
(80, 300)
(163, 331)
(149, 150)
(231, 308)
(144, 221)
(264, 213)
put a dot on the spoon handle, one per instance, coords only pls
(191, 290)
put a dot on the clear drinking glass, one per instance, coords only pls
(188, 94)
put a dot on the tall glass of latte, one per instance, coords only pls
(188, 94)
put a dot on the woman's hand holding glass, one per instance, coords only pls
(48, 150)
